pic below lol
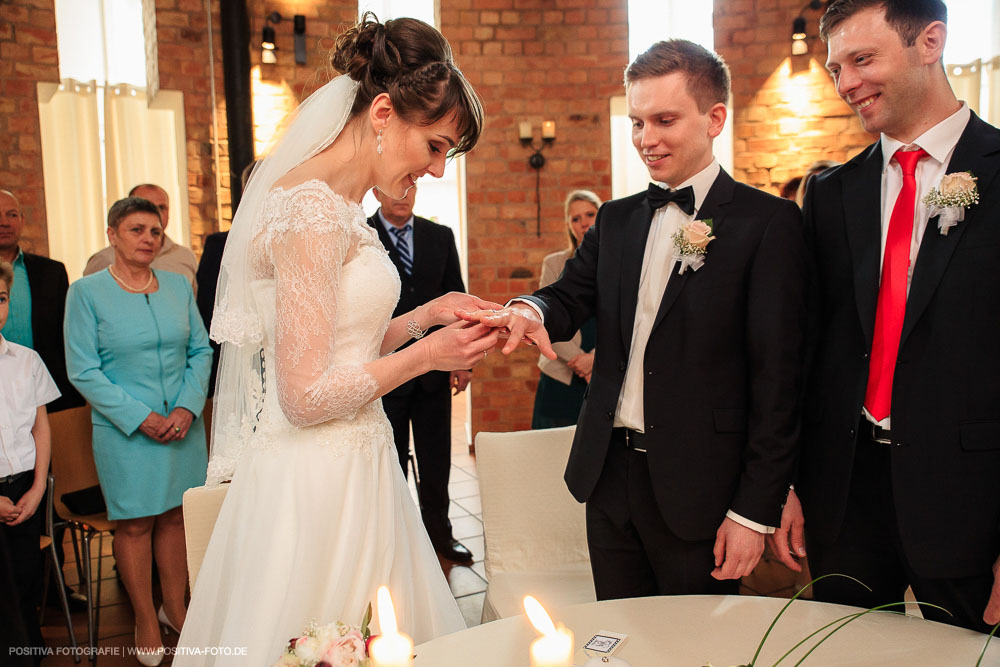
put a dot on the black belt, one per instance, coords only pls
(883, 436)
(12, 478)
(633, 440)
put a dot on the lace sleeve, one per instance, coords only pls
(308, 246)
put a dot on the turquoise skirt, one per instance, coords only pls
(141, 477)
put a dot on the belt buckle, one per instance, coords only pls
(628, 442)
(875, 435)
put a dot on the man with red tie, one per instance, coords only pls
(899, 474)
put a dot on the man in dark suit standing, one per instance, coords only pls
(686, 438)
(899, 477)
(426, 257)
(36, 318)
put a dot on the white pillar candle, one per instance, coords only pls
(549, 129)
(555, 647)
(524, 130)
(392, 648)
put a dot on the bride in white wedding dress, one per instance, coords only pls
(318, 514)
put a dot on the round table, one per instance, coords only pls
(690, 631)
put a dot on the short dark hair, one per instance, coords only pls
(907, 17)
(123, 208)
(706, 71)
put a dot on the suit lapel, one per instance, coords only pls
(720, 194)
(977, 152)
(635, 232)
(418, 254)
(862, 199)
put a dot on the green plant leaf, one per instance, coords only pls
(987, 644)
(365, 630)
(795, 597)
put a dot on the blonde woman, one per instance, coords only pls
(564, 380)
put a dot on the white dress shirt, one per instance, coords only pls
(25, 384)
(939, 142)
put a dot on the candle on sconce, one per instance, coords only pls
(549, 129)
(392, 648)
(524, 131)
(555, 647)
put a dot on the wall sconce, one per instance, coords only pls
(800, 46)
(267, 46)
(526, 134)
(299, 23)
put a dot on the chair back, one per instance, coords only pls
(201, 508)
(72, 454)
(530, 519)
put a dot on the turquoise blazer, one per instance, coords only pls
(129, 355)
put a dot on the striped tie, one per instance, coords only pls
(402, 248)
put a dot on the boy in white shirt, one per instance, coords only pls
(25, 388)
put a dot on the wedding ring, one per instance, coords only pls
(485, 353)
(177, 429)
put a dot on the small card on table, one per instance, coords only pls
(605, 642)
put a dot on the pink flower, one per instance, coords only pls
(698, 234)
(348, 651)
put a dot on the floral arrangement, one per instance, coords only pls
(332, 645)
(691, 243)
(956, 192)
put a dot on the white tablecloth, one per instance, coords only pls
(688, 631)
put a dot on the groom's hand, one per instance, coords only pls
(992, 613)
(521, 321)
(737, 550)
(788, 542)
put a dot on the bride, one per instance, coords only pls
(318, 514)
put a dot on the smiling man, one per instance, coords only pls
(901, 440)
(685, 442)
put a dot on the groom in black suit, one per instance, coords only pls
(426, 257)
(900, 466)
(686, 438)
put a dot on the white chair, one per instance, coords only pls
(201, 509)
(535, 531)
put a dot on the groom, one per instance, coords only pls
(685, 442)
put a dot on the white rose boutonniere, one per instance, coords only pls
(691, 243)
(956, 192)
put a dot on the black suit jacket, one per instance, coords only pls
(207, 279)
(48, 282)
(436, 271)
(946, 387)
(723, 364)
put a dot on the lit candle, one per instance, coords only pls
(549, 129)
(524, 130)
(555, 647)
(392, 648)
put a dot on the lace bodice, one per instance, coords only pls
(326, 290)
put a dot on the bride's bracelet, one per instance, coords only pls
(413, 329)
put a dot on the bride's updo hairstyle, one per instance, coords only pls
(412, 62)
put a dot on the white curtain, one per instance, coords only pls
(146, 145)
(71, 163)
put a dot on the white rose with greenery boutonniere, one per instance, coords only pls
(954, 194)
(691, 244)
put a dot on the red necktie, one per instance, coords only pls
(892, 291)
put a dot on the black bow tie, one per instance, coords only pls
(658, 198)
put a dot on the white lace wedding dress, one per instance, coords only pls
(318, 514)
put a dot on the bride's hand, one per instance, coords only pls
(459, 346)
(441, 311)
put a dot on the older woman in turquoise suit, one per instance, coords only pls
(137, 350)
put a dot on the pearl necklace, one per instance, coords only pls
(129, 287)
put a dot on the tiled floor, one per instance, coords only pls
(468, 584)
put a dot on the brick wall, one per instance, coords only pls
(27, 55)
(531, 60)
(786, 111)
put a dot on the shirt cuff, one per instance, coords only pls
(747, 523)
(538, 311)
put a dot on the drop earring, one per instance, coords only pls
(378, 143)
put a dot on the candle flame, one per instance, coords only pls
(386, 612)
(538, 616)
